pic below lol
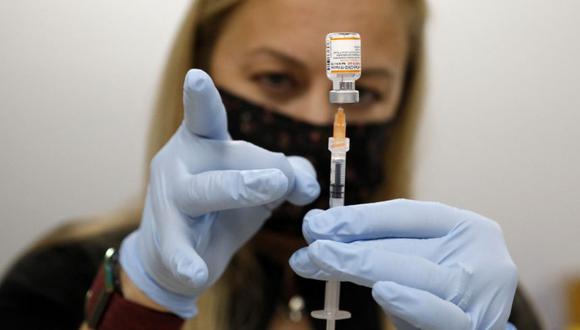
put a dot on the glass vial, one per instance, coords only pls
(343, 65)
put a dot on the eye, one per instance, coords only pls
(277, 84)
(369, 96)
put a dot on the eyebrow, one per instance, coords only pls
(279, 55)
(378, 72)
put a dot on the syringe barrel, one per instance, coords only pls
(337, 171)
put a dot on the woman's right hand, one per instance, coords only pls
(207, 196)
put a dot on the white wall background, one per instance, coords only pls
(499, 134)
(77, 81)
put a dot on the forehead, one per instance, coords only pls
(298, 27)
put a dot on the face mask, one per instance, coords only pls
(269, 129)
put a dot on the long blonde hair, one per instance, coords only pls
(192, 48)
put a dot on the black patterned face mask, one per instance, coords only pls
(269, 129)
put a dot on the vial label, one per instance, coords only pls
(343, 53)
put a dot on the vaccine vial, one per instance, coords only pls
(343, 66)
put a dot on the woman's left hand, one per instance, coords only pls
(431, 266)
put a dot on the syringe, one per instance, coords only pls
(343, 67)
(338, 145)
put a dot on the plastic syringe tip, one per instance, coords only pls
(339, 129)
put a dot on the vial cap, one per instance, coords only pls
(343, 96)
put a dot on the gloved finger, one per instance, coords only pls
(222, 190)
(238, 155)
(175, 248)
(302, 265)
(305, 230)
(306, 188)
(419, 308)
(169, 296)
(390, 219)
(205, 115)
(365, 266)
(424, 248)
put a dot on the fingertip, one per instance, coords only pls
(306, 188)
(302, 265)
(293, 262)
(321, 251)
(308, 234)
(318, 224)
(196, 80)
(303, 164)
(381, 290)
(331, 259)
(299, 262)
(192, 271)
(193, 275)
(376, 292)
(311, 192)
(205, 114)
(304, 195)
(337, 258)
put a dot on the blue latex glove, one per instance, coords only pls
(207, 196)
(431, 266)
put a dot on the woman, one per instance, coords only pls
(427, 265)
